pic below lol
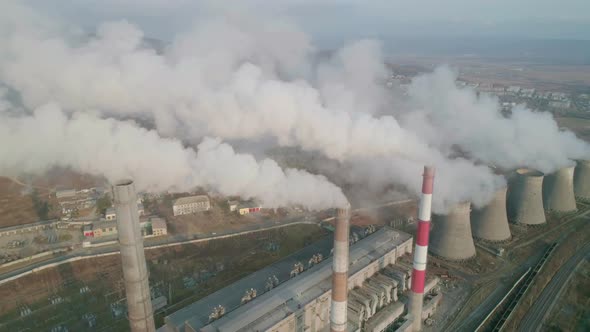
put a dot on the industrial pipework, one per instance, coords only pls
(135, 274)
(421, 248)
(339, 308)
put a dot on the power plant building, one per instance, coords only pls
(302, 302)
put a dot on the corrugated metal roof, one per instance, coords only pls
(192, 199)
(270, 307)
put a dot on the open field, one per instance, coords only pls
(208, 266)
(543, 76)
(581, 127)
(572, 311)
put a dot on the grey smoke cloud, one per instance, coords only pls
(449, 115)
(121, 149)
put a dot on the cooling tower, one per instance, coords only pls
(525, 199)
(451, 234)
(135, 274)
(421, 249)
(558, 191)
(339, 308)
(490, 223)
(582, 179)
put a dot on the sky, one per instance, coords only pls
(336, 21)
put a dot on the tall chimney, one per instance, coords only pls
(582, 180)
(338, 310)
(421, 248)
(137, 289)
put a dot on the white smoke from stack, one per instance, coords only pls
(233, 79)
(450, 115)
(117, 149)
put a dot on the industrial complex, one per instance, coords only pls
(364, 285)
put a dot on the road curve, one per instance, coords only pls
(538, 312)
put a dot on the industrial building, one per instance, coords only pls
(103, 228)
(158, 226)
(191, 204)
(111, 214)
(302, 302)
(247, 208)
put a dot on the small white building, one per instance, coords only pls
(233, 205)
(65, 193)
(110, 214)
(159, 227)
(191, 204)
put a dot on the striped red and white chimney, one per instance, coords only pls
(421, 249)
(338, 310)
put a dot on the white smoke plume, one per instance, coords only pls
(449, 115)
(117, 149)
(237, 79)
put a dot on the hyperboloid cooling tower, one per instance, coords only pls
(582, 179)
(490, 223)
(558, 191)
(451, 235)
(525, 198)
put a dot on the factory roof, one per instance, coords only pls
(104, 224)
(158, 223)
(191, 199)
(271, 307)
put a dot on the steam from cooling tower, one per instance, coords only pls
(449, 115)
(119, 149)
(235, 78)
(231, 78)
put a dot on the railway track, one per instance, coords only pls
(539, 311)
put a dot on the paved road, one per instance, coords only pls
(173, 240)
(539, 311)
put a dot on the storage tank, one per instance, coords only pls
(525, 198)
(582, 180)
(490, 223)
(451, 236)
(558, 191)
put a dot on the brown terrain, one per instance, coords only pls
(16, 205)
